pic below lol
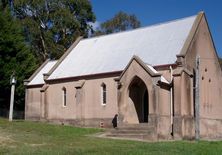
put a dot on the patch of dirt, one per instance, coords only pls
(34, 145)
(5, 140)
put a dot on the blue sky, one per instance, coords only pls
(155, 11)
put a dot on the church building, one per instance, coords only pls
(165, 76)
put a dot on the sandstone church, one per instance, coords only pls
(166, 76)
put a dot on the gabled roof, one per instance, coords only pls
(155, 45)
(37, 79)
(148, 68)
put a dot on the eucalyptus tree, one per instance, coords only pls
(120, 22)
(51, 26)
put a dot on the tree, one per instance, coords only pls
(120, 22)
(51, 26)
(15, 56)
(220, 61)
(3, 4)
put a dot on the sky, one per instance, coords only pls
(151, 12)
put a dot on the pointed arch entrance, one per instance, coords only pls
(138, 93)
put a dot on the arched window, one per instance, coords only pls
(103, 94)
(64, 97)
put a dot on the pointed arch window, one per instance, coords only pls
(64, 102)
(103, 94)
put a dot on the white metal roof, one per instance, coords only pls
(38, 79)
(162, 78)
(152, 69)
(155, 45)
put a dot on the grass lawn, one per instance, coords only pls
(21, 137)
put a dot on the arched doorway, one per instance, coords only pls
(138, 93)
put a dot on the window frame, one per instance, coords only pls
(103, 94)
(64, 97)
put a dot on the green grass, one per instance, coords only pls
(21, 137)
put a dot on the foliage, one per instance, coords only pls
(3, 4)
(220, 61)
(120, 22)
(38, 30)
(39, 138)
(51, 26)
(15, 56)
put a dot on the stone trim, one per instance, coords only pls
(142, 64)
(63, 57)
(80, 84)
(44, 88)
(180, 70)
(34, 86)
(85, 77)
(191, 35)
(211, 38)
(26, 81)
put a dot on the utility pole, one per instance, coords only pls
(12, 82)
(197, 99)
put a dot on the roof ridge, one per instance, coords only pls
(144, 27)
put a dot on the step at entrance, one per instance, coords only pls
(142, 131)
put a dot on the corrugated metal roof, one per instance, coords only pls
(162, 78)
(38, 79)
(155, 45)
(152, 69)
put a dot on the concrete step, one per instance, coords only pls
(135, 131)
(132, 136)
(135, 128)
(141, 125)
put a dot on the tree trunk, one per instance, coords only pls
(44, 52)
